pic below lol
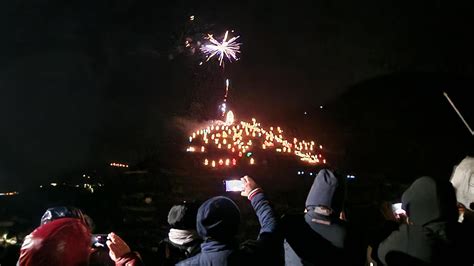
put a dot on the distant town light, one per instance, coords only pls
(121, 165)
(12, 193)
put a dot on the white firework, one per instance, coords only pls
(227, 48)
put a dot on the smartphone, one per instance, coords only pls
(99, 240)
(397, 209)
(234, 185)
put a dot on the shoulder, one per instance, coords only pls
(191, 261)
(396, 241)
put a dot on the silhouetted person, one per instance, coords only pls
(319, 236)
(430, 235)
(218, 220)
(183, 240)
(63, 238)
(463, 182)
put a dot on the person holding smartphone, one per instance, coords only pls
(320, 236)
(430, 234)
(64, 238)
(218, 221)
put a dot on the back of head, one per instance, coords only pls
(326, 192)
(63, 241)
(183, 216)
(463, 182)
(428, 200)
(60, 212)
(218, 218)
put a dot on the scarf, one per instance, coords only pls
(182, 237)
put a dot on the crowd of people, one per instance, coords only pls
(435, 228)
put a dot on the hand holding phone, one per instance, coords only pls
(399, 213)
(249, 185)
(118, 248)
(397, 209)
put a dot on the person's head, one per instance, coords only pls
(428, 200)
(463, 182)
(60, 212)
(218, 218)
(326, 195)
(183, 216)
(64, 241)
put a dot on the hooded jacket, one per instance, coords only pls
(318, 237)
(430, 236)
(64, 241)
(64, 238)
(463, 182)
(218, 220)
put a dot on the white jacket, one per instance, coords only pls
(463, 181)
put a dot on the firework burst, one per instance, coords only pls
(224, 49)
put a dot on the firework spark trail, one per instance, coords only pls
(223, 105)
(226, 88)
(227, 48)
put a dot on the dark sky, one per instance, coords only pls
(93, 81)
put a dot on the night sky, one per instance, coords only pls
(90, 82)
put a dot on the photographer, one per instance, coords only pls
(218, 220)
(320, 236)
(431, 233)
(64, 238)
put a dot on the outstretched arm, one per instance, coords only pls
(266, 215)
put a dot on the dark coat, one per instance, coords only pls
(319, 237)
(313, 244)
(217, 222)
(170, 253)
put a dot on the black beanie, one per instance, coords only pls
(218, 218)
(183, 216)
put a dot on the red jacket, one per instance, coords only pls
(65, 241)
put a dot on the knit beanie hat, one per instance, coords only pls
(183, 216)
(325, 191)
(218, 218)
